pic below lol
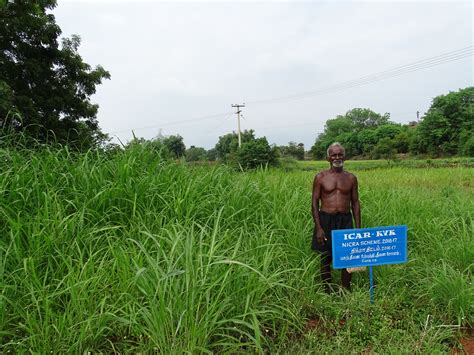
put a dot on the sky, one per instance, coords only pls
(177, 67)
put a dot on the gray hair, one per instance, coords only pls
(335, 144)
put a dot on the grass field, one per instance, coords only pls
(133, 253)
(357, 165)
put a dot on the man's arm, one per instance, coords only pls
(315, 209)
(355, 204)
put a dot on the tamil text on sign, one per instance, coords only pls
(369, 246)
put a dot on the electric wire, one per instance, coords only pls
(313, 123)
(220, 124)
(440, 59)
(165, 124)
(386, 74)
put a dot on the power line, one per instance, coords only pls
(313, 123)
(221, 123)
(386, 74)
(426, 63)
(443, 58)
(201, 118)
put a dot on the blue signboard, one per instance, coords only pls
(369, 246)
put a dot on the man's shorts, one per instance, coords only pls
(330, 222)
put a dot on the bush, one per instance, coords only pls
(384, 149)
(255, 153)
(467, 147)
(196, 154)
(288, 163)
(175, 146)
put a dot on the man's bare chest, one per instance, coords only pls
(332, 184)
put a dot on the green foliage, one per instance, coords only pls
(356, 165)
(318, 149)
(256, 153)
(447, 129)
(154, 146)
(228, 144)
(448, 117)
(129, 254)
(212, 154)
(350, 142)
(389, 130)
(338, 125)
(366, 140)
(196, 154)
(294, 150)
(466, 145)
(416, 144)
(363, 118)
(288, 163)
(358, 131)
(48, 84)
(175, 145)
(6, 101)
(253, 153)
(385, 149)
(401, 141)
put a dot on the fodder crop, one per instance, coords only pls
(136, 253)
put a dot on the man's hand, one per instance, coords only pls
(320, 236)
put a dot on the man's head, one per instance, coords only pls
(336, 155)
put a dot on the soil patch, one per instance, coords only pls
(467, 343)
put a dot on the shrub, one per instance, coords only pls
(255, 153)
(196, 154)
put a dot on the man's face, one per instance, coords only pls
(336, 157)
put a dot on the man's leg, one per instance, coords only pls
(346, 279)
(326, 271)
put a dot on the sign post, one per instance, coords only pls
(369, 247)
(371, 276)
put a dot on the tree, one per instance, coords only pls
(211, 154)
(416, 144)
(389, 130)
(367, 139)
(448, 116)
(318, 150)
(467, 147)
(354, 130)
(48, 85)
(196, 154)
(401, 142)
(229, 143)
(362, 118)
(294, 150)
(338, 126)
(385, 149)
(175, 145)
(256, 153)
(153, 146)
(333, 129)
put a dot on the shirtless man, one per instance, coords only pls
(337, 190)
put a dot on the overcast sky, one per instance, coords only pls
(174, 63)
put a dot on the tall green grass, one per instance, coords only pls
(135, 253)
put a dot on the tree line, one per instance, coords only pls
(254, 151)
(45, 91)
(445, 130)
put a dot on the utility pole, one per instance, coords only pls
(238, 119)
(418, 116)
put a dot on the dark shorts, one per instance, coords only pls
(330, 222)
